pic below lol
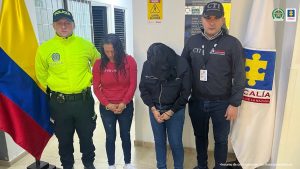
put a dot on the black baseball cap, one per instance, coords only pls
(213, 9)
(62, 13)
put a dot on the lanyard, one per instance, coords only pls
(206, 53)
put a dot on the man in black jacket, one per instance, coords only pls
(165, 87)
(218, 68)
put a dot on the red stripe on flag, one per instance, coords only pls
(22, 128)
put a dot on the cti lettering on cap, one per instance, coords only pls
(213, 9)
(213, 6)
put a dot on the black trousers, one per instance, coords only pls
(200, 112)
(70, 116)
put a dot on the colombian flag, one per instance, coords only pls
(24, 112)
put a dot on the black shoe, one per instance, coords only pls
(90, 167)
(197, 167)
(68, 167)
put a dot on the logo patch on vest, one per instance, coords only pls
(217, 52)
(55, 57)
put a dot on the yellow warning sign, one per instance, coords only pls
(155, 11)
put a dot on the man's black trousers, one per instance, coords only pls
(74, 114)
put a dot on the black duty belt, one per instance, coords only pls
(61, 97)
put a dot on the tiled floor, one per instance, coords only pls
(142, 157)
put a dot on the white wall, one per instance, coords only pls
(13, 149)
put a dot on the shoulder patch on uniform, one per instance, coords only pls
(55, 57)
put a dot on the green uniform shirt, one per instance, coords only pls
(64, 64)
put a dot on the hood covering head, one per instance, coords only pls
(163, 61)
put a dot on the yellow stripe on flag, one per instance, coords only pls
(17, 35)
(227, 12)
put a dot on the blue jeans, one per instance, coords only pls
(200, 112)
(173, 128)
(109, 120)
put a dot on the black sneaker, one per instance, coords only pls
(90, 167)
(68, 167)
(197, 167)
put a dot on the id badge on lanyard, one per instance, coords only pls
(203, 70)
(203, 75)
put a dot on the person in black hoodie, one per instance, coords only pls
(165, 87)
(218, 68)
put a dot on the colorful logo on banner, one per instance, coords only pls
(278, 14)
(259, 73)
(290, 14)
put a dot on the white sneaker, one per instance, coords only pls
(128, 166)
(112, 167)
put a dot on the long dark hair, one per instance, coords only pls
(119, 54)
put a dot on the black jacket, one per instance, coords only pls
(223, 58)
(168, 92)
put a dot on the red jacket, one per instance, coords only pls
(108, 88)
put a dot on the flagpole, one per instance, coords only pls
(41, 165)
(37, 163)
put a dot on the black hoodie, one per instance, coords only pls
(223, 58)
(165, 79)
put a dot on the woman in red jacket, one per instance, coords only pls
(114, 83)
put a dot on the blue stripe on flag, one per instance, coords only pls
(19, 87)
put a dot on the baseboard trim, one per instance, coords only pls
(187, 149)
(151, 145)
(10, 163)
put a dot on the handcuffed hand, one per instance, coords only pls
(156, 115)
(111, 107)
(166, 115)
(120, 108)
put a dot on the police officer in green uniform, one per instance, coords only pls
(63, 66)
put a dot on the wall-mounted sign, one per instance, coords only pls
(155, 11)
